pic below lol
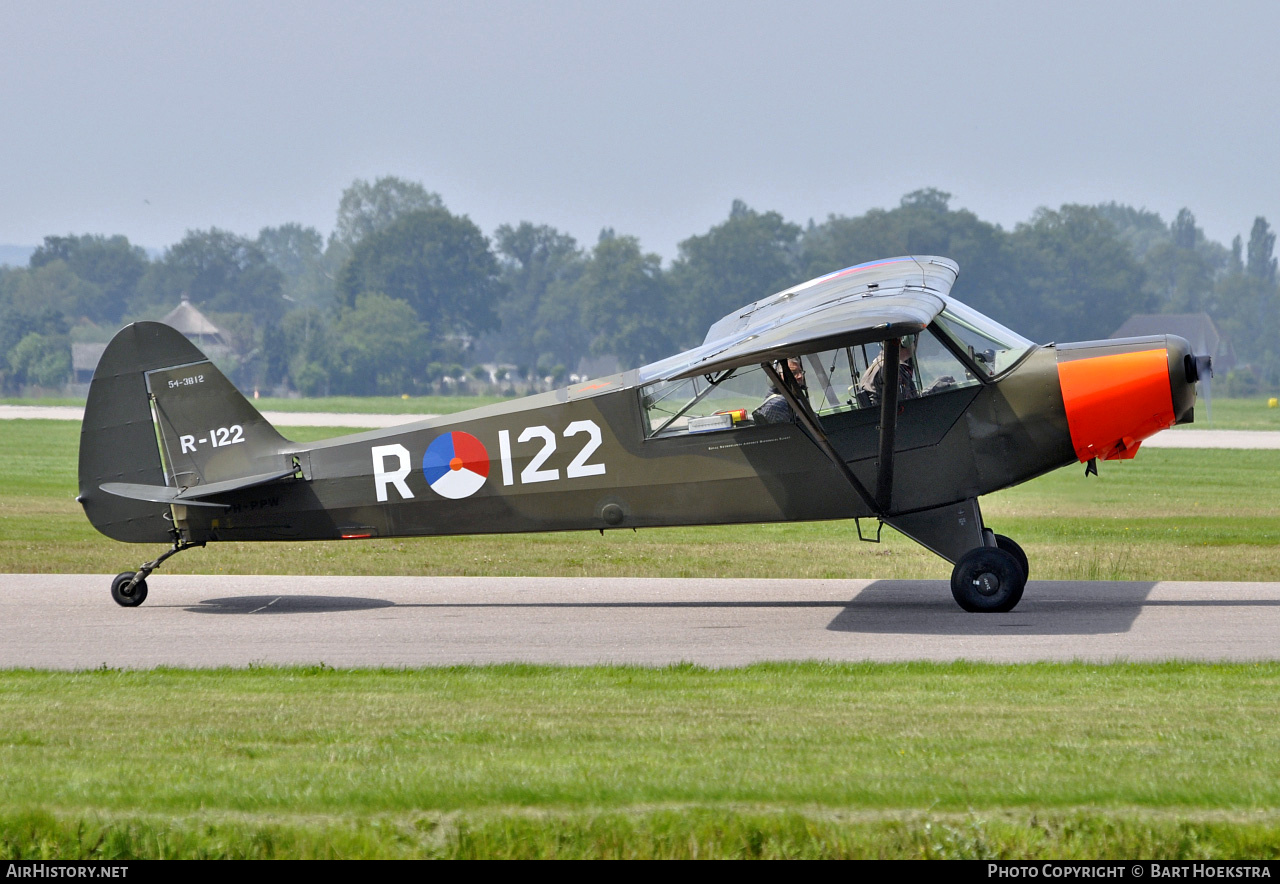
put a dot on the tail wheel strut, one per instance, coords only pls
(129, 588)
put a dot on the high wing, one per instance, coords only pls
(857, 305)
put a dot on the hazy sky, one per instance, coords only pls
(152, 118)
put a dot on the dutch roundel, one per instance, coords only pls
(455, 465)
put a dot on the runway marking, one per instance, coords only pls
(267, 605)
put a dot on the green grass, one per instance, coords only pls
(1236, 414)
(964, 760)
(42, 400)
(1228, 414)
(1167, 514)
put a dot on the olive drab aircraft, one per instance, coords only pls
(869, 393)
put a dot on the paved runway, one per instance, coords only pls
(70, 622)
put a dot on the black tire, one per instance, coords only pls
(987, 581)
(1009, 545)
(135, 597)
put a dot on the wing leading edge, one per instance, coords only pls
(857, 305)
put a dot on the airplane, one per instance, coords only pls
(891, 401)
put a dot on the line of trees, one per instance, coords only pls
(405, 292)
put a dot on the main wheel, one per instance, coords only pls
(987, 580)
(133, 597)
(1011, 547)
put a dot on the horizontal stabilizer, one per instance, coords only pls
(194, 495)
(154, 494)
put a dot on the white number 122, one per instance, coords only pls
(533, 471)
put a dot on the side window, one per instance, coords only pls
(832, 378)
(849, 378)
(938, 369)
(697, 405)
(839, 380)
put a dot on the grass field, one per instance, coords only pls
(919, 760)
(1228, 414)
(806, 760)
(1236, 414)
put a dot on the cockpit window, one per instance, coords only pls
(704, 404)
(992, 347)
(833, 381)
(850, 378)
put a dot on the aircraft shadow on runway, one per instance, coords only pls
(287, 604)
(907, 607)
(883, 607)
(1049, 607)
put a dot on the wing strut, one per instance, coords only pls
(810, 422)
(888, 423)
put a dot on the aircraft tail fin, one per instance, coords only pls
(159, 413)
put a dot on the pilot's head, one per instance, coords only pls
(794, 368)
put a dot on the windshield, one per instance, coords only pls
(992, 347)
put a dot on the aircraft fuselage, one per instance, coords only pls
(579, 458)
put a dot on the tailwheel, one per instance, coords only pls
(988, 580)
(126, 596)
(1010, 546)
(132, 596)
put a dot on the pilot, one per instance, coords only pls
(871, 383)
(775, 409)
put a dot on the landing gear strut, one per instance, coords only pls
(990, 569)
(1011, 547)
(129, 589)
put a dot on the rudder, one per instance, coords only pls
(204, 430)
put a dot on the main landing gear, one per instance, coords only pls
(129, 589)
(990, 579)
(990, 569)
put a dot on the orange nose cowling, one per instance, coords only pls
(1114, 402)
